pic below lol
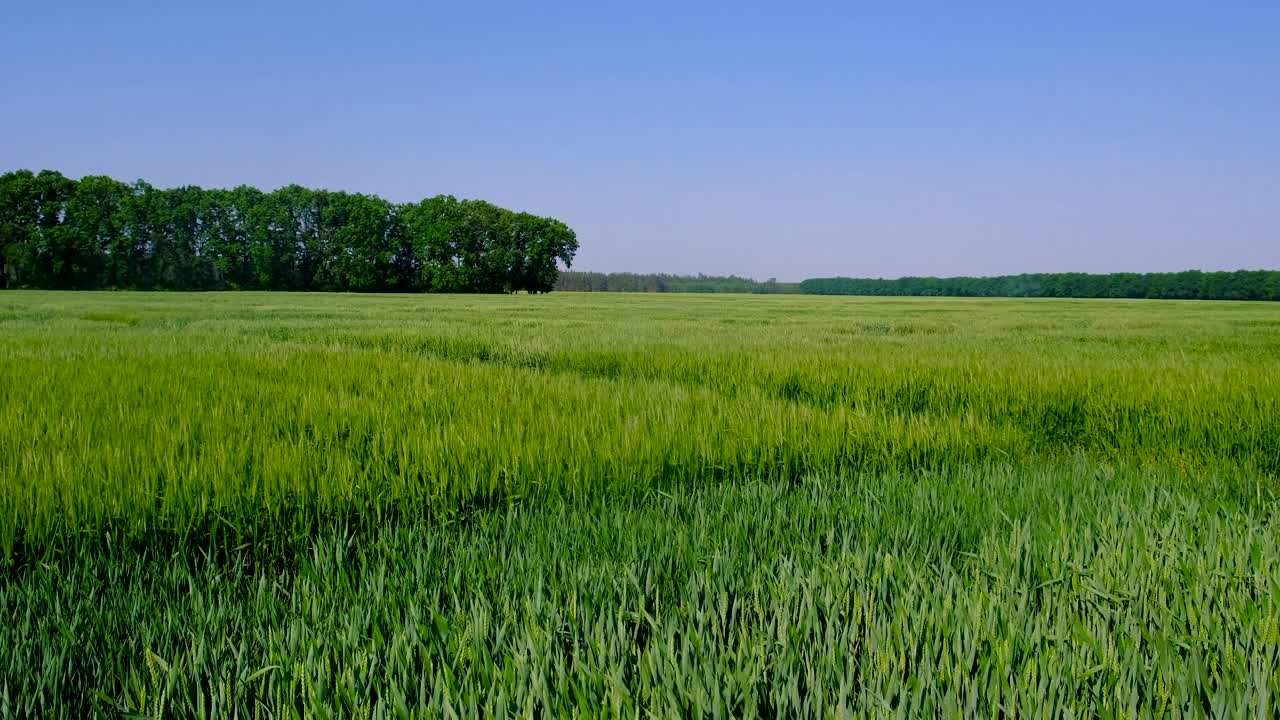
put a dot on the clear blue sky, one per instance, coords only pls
(772, 139)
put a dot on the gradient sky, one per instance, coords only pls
(773, 139)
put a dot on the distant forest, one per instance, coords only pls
(96, 232)
(635, 282)
(1189, 285)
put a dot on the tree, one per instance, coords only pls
(19, 214)
(90, 229)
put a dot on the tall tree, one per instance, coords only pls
(90, 229)
(19, 216)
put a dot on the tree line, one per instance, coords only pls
(1187, 285)
(97, 232)
(660, 282)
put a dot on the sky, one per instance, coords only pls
(785, 140)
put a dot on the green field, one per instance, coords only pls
(272, 504)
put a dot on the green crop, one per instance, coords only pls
(330, 505)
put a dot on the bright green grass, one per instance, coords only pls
(602, 503)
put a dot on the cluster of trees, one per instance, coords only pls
(96, 232)
(1188, 285)
(633, 282)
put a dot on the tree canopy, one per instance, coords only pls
(96, 232)
(661, 282)
(1187, 285)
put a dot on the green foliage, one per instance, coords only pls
(313, 505)
(1189, 285)
(631, 282)
(99, 233)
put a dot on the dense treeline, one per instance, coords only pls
(635, 282)
(1188, 285)
(60, 233)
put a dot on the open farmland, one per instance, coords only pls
(591, 504)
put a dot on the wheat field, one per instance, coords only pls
(322, 505)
